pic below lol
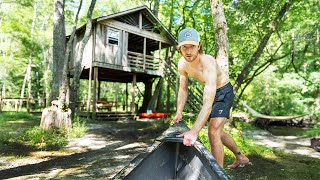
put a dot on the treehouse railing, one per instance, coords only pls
(143, 62)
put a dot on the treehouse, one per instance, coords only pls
(123, 47)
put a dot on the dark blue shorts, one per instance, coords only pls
(223, 102)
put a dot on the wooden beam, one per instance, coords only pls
(127, 95)
(136, 30)
(160, 50)
(89, 93)
(95, 80)
(99, 89)
(140, 20)
(134, 80)
(144, 52)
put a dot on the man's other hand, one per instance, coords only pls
(177, 118)
(189, 138)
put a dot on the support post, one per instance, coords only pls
(127, 95)
(160, 49)
(95, 82)
(144, 52)
(89, 93)
(160, 56)
(99, 89)
(133, 93)
(140, 20)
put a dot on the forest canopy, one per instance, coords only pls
(274, 46)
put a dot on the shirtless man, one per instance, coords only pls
(217, 97)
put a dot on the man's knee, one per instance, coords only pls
(215, 127)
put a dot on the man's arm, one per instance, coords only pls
(209, 93)
(182, 94)
(210, 75)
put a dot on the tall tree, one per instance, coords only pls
(59, 43)
(221, 34)
(255, 56)
(79, 56)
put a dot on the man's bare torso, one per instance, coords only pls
(195, 70)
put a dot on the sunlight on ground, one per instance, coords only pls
(290, 144)
(133, 145)
(90, 142)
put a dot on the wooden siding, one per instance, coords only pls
(75, 53)
(136, 30)
(109, 53)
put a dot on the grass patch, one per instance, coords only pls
(268, 163)
(20, 134)
(314, 132)
(79, 128)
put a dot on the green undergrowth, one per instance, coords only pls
(314, 132)
(20, 131)
(268, 163)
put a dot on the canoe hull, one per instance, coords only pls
(168, 158)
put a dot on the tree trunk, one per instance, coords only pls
(59, 41)
(54, 117)
(256, 55)
(153, 102)
(221, 34)
(79, 55)
(159, 106)
(22, 90)
(146, 96)
(156, 7)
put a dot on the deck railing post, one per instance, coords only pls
(144, 52)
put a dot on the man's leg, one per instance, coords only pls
(228, 141)
(215, 133)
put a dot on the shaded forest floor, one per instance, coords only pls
(109, 146)
(103, 152)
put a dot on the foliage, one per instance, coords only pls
(290, 56)
(19, 131)
(314, 132)
(287, 94)
(41, 139)
(79, 128)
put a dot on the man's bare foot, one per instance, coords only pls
(240, 162)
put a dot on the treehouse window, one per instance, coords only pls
(113, 36)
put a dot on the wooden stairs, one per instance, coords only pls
(194, 101)
(110, 116)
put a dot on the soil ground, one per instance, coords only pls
(103, 152)
(111, 145)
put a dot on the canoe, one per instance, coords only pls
(168, 158)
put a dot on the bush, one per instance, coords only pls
(79, 128)
(41, 139)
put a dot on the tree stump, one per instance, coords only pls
(53, 117)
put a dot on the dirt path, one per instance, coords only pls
(109, 146)
(290, 144)
(103, 152)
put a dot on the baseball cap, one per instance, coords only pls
(188, 36)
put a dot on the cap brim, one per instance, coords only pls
(188, 42)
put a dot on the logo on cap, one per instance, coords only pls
(187, 34)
